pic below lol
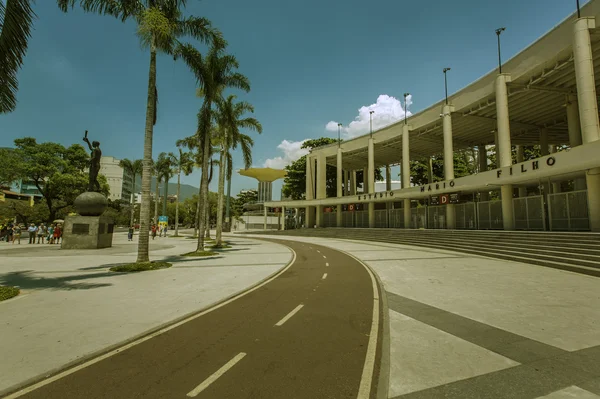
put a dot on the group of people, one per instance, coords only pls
(159, 230)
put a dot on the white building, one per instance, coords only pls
(118, 179)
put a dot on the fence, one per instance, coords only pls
(381, 218)
(568, 211)
(436, 217)
(529, 213)
(490, 215)
(396, 218)
(329, 219)
(418, 217)
(466, 215)
(361, 219)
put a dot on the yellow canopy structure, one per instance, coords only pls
(263, 174)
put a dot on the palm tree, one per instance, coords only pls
(213, 73)
(229, 123)
(162, 170)
(185, 164)
(133, 168)
(160, 26)
(16, 19)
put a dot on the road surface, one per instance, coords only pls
(305, 334)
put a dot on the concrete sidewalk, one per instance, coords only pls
(464, 326)
(71, 305)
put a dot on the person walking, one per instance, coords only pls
(50, 235)
(130, 233)
(153, 231)
(17, 234)
(41, 233)
(32, 230)
(9, 232)
(57, 234)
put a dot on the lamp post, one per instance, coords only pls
(339, 135)
(371, 122)
(446, 83)
(498, 32)
(578, 11)
(405, 110)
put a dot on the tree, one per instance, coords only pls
(162, 171)
(230, 121)
(214, 73)
(160, 26)
(185, 164)
(56, 171)
(134, 168)
(8, 175)
(243, 198)
(294, 184)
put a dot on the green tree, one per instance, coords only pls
(242, 198)
(214, 73)
(134, 168)
(229, 122)
(184, 163)
(294, 184)
(464, 165)
(160, 25)
(55, 170)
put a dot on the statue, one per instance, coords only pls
(95, 156)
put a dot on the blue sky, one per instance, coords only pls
(309, 63)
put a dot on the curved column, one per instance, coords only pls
(504, 150)
(406, 171)
(321, 187)
(520, 157)
(448, 160)
(574, 126)
(340, 174)
(483, 166)
(371, 181)
(309, 215)
(588, 108)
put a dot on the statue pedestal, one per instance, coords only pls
(87, 232)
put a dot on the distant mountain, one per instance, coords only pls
(186, 190)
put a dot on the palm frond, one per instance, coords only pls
(17, 17)
(200, 29)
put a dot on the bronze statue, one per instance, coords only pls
(95, 156)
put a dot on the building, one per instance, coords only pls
(257, 215)
(118, 179)
(26, 187)
(545, 96)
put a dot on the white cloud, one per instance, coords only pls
(387, 110)
(291, 152)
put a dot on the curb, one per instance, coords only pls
(40, 377)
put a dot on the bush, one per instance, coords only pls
(140, 267)
(8, 292)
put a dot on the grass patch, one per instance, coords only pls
(200, 253)
(8, 292)
(140, 267)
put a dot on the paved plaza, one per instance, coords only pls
(71, 306)
(463, 326)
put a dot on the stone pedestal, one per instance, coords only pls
(87, 232)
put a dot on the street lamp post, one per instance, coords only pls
(498, 32)
(371, 122)
(578, 11)
(446, 83)
(405, 110)
(339, 135)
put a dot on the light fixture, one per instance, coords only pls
(498, 32)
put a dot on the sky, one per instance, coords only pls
(312, 64)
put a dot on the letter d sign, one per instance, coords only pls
(444, 199)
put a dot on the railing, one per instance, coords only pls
(396, 218)
(490, 215)
(529, 213)
(466, 215)
(381, 218)
(436, 217)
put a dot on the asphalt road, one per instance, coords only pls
(304, 334)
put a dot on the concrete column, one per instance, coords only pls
(265, 221)
(504, 153)
(346, 183)
(353, 182)
(483, 166)
(340, 183)
(448, 160)
(575, 133)
(544, 141)
(388, 178)
(555, 186)
(371, 181)
(309, 217)
(520, 155)
(321, 177)
(283, 217)
(406, 171)
(588, 108)
(429, 170)
(310, 175)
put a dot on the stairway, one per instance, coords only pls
(576, 252)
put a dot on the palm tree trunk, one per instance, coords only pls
(131, 224)
(221, 193)
(157, 200)
(205, 139)
(144, 237)
(207, 218)
(166, 191)
(197, 216)
(177, 204)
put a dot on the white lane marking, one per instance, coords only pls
(324, 257)
(326, 263)
(318, 251)
(324, 276)
(65, 373)
(216, 375)
(289, 315)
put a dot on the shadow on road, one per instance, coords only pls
(26, 280)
